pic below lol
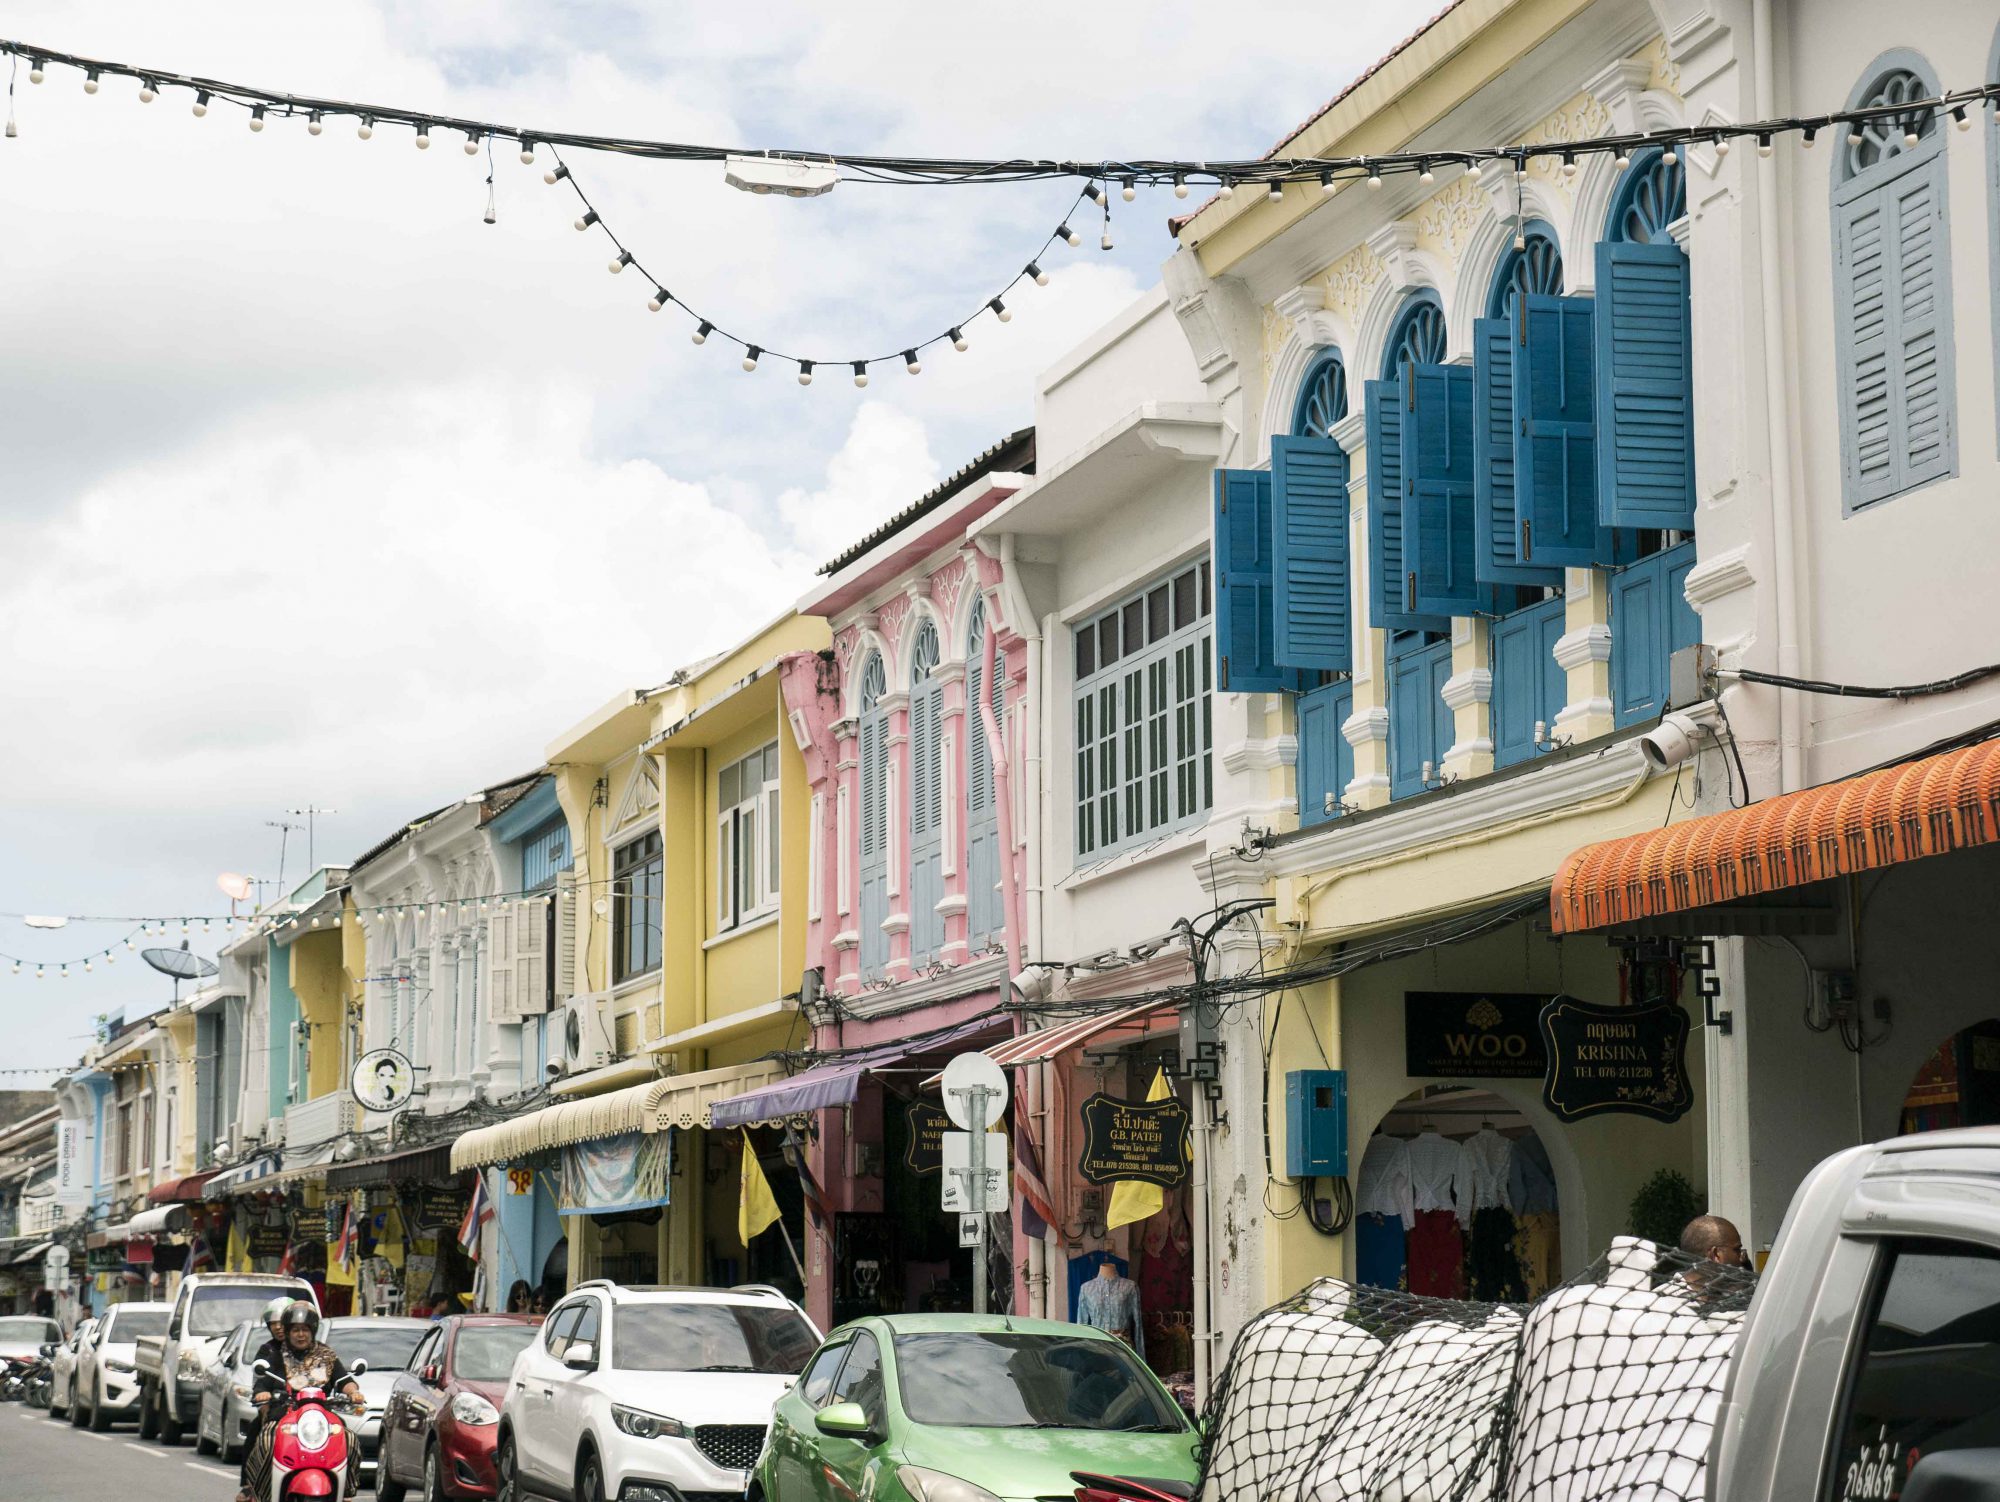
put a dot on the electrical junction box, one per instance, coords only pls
(1316, 1124)
(1691, 675)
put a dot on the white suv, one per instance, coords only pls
(648, 1394)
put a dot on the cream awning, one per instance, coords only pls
(682, 1100)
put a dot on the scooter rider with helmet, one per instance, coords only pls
(304, 1362)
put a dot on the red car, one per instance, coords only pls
(443, 1417)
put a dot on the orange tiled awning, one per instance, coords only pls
(1946, 802)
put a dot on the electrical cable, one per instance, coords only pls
(1856, 691)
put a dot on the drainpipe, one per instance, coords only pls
(1027, 625)
(1791, 759)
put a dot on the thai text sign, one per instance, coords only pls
(923, 1152)
(1135, 1139)
(1473, 1035)
(1629, 1059)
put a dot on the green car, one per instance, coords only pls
(968, 1408)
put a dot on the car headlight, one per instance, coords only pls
(927, 1485)
(470, 1408)
(312, 1430)
(191, 1364)
(643, 1425)
(118, 1366)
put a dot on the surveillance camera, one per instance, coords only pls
(1034, 983)
(1669, 743)
(552, 1070)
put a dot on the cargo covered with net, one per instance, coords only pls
(1603, 1390)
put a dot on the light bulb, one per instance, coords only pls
(1569, 164)
(624, 259)
(366, 129)
(1041, 277)
(87, 965)
(1180, 186)
(1129, 191)
(257, 118)
(1764, 144)
(586, 221)
(1275, 192)
(805, 372)
(1807, 137)
(1094, 193)
(423, 137)
(12, 129)
(660, 298)
(1325, 180)
(1000, 310)
(1105, 243)
(1069, 235)
(958, 341)
(860, 372)
(17, 967)
(555, 175)
(36, 73)
(1854, 135)
(472, 143)
(147, 92)
(1521, 168)
(600, 907)
(1374, 178)
(527, 153)
(1520, 241)
(911, 363)
(1958, 116)
(700, 335)
(749, 363)
(1425, 175)
(1621, 161)
(315, 123)
(90, 82)
(1910, 139)
(1224, 188)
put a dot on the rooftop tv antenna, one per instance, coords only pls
(179, 964)
(284, 828)
(309, 813)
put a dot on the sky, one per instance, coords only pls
(317, 489)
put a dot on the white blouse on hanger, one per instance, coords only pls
(1488, 1157)
(1383, 1184)
(1439, 1179)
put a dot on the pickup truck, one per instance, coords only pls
(1869, 1367)
(171, 1366)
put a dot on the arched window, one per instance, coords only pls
(1892, 291)
(983, 908)
(926, 798)
(873, 776)
(1651, 196)
(1417, 336)
(1536, 267)
(1322, 400)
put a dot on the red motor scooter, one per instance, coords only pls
(309, 1449)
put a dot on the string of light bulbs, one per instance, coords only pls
(1273, 173)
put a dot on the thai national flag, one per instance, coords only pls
(809, 1190)
(1037, 1205)
(476, 1215)
(349, 1235)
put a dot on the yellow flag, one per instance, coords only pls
(758, 1209)
(1134, 1199)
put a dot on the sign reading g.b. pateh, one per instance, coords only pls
(1626, 1059)
(1146, 1140)
(1488, 1035)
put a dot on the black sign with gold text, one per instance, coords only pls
(440, 1209)
(267, 1240)
(1490, 1035)
(923, 1150)
(1135, 1139)
(1624, 1059)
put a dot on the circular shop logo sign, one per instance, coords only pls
(384, 1080)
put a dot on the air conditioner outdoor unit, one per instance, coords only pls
(587, 1040)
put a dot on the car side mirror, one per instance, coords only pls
(174, 1329)
(49, 1352)
(845, 1421)
(1955, 1476)
(581, 1356)
(359, 1369)
(432, 1375)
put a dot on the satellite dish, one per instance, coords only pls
(178, 963)
(235, 888)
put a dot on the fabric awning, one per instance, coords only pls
(608, 1115)
(183, 1190)
(109, 1236)
(31, 1254)
(1048, 1042)
(158, 1221)
(836, 1083)
(245, 1178)
(1942, 803)
(685, 1100)
(412, 1163)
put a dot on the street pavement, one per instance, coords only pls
(41, 1457)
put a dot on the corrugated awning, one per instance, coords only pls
(836, 1083)
(1942, 803)
(30, 1254)
(1100, 1027)
(412, 1163)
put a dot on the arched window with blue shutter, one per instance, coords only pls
(872, 836)
(1503, 536)
(1892, 290)
(1312, 590)
(926, 798)
(983, 907)
(1417, 336)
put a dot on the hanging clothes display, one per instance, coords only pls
(1381, 1251)
(1437, 1255)
(1493, 1271)
(1437, 1166)
(1531, 1181)
(1383, 1212)
(1083, 1267)
(1487, 1167)
(1538, 1250)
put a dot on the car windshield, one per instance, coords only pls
(995, 1380)
(710, 1338)
(485, 1353)
(128, 1325)
(219, 1309)
(25, 1332)
(386, 1348)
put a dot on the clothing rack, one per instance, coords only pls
(1450, 1111)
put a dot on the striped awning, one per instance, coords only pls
(1941, 803)
(245, 1178)
(1121, 1024)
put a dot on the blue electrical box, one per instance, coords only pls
(1316, 1124)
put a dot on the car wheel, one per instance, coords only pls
(508, 1488)
(171, 1427)
(433, 1475)
(590, 1480)
(100, 1416)
(387, 1487)
(76, 1413)
(231, 1450)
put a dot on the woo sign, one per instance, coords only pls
(1623, 1059)
(1148, 1140)
(1473, 1035)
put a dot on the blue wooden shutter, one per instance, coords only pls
(1383, 420)
(1495, 521)
(1245, 614)
(1438, 541)
(1312, 597)
(1410, 722)
(1645, 387)
(1527, 684)
(1326, 761)
(1555, 443)
(1650, 621)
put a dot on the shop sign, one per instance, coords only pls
(1615, 1059)
(267, 1240)
(383, 1080)
(72, 1182)
(440, 1209)
(520, 1181)
(107, 1259)
(923, 1151)
(1490, 1035)
(1148, 1140)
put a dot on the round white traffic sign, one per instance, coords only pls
(970, 1071)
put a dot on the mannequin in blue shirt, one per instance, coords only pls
(1110, 1302)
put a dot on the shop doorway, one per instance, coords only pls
(1456, 1197)
(1959, 1085)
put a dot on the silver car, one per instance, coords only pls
(107, 1376)
(387, 1345)
(223, 1425)
(62, 1370)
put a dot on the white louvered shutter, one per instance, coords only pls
(500, 964)
(531, 958)
(565, 968)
